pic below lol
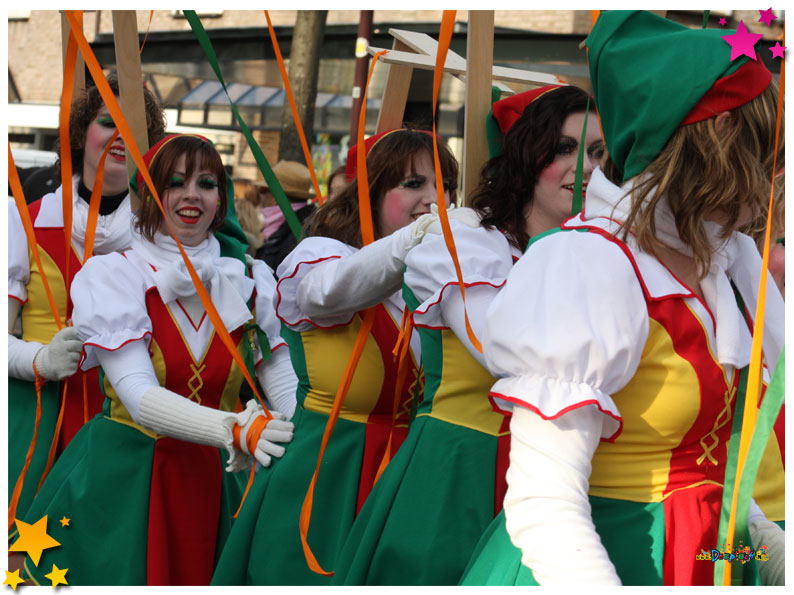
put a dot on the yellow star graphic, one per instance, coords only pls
(57, 576)
(13, 579)
(33, 539)
(65, 522)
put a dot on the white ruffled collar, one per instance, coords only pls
(112, 231)
(224, 277)
(734, 259)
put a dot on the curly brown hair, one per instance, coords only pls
(703, 170)
(507, 182)
(162, 166)
(387, 163)
(86, 107)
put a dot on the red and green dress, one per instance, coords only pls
(143, 509)
(439, 493)
(80, 394)
(264, 546)
(667, 379)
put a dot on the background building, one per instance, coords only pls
(176, 70)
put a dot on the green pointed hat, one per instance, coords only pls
(651, 75)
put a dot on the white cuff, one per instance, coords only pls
(20, 357)
(170, 414)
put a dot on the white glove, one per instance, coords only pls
(59, 359)
(765, 532)
(277, 430)
(431, 222)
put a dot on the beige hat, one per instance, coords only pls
(295, 179)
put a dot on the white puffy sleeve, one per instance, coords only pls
(265, 303)
(485, 260)
(18, 260)
(568, 329)
(109, 297)
(311, 255)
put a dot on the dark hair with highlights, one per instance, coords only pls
(387, 162)
(150, 218)
(507, 182)
(86, 107)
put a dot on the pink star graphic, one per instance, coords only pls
(777, 50)
(723, 21)
(742, 42)
(766, 17)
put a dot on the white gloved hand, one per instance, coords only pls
(764, 532)
(277, 430)
(431, 222)
(59, 359)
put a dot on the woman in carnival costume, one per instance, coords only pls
(44, 351)
(148, 473)
(324, 284)
(440, 492)
(618, 340)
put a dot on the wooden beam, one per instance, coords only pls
(79, 65)
(395, 92)
(128, 63)
(479, 74)
(457, 68)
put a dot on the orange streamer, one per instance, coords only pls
(96, 200)
(288, 89)
(12, 506)
(756, 357)
(129, 140)
(445, 36)
(63, 134)
(368, 318)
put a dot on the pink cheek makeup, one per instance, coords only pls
(394, 212)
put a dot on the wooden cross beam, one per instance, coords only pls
(128, 65)
(79, 66)
(417, 50)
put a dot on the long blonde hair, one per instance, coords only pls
(702, 170)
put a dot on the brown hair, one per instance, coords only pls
(507, 182)
(387, 162)
(702, 170)
(86, 107)
(249, 217)
(162, 166)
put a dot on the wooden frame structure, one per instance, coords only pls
(417, 50)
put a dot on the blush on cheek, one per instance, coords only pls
(550, 173)
(394, 214)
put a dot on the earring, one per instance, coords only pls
(219, 202)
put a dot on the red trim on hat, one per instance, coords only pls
(351, 165)
(149, 156)
(506, 111)
(731, 91)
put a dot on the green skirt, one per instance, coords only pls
(21, 423)
(425, 515)
(633, 534)
(102, 484)
(264, 547)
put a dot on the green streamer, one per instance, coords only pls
(576, 204)
(259, 156)
(705, 18)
